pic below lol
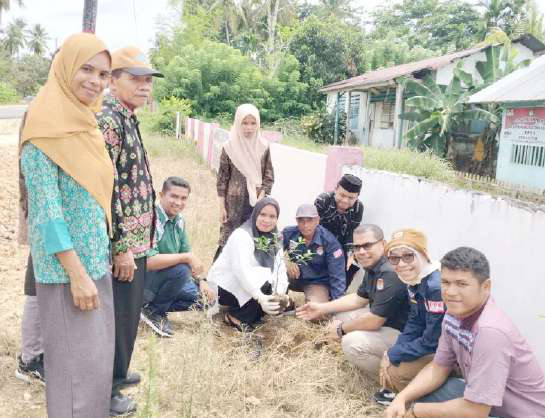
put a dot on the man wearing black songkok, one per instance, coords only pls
(341, 212)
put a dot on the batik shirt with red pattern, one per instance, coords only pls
(133, 198)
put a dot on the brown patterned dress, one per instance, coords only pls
(231, 185)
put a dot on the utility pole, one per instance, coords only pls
(90, 16)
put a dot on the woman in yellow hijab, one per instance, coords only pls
(69, 180)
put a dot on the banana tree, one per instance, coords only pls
(438, 111)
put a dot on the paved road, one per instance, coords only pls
(12, 111)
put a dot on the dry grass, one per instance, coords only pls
(206, 370)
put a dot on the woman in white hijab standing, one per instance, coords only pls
(245, 173)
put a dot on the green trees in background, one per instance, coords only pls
(279, 53)
(23, 60)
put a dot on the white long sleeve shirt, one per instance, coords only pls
(237, 271)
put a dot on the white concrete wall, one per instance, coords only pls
(298, 178)
(511, 235)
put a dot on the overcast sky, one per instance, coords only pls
(119, 22)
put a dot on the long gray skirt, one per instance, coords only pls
(78, 351)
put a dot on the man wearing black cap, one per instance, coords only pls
(132, 206)
(340, 213)
(316, 264)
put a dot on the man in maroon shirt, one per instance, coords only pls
(501, 375)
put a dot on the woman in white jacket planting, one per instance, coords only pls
(250, 274)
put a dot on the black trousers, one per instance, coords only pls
(250, 312)
(128, 298)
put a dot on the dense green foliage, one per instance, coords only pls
(278, 54)
(320, 127)
(216, 78)
(7, 93)
(164, 120)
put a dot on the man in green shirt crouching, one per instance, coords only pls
(172, 283)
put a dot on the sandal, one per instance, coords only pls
(239, 327)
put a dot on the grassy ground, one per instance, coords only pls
(206, 370)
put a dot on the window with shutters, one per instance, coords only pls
(530, 155)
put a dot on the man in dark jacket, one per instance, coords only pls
(367, 322)
(317, 262)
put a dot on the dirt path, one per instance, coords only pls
(205, 370)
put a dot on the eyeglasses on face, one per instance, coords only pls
(407, 258)
(366, 246)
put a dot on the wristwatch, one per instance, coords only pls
(340, 330)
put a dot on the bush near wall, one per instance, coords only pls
(216, 78)
(320, 127)
(163, 121)
(8, 94)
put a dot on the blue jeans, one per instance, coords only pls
(171, 289)
(453, 388)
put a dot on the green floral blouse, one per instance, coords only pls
(62, 215)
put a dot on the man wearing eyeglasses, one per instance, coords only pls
(367, 322)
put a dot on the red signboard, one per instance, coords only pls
(525, 125)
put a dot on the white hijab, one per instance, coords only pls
(426, 267)
(246, 153)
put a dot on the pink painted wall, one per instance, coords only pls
(213, 127)
(272, 136)
(337, 157)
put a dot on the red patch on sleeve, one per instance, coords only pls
(338, 253)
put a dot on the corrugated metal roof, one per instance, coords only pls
(385, 75)
(525, 84)
(391, 73)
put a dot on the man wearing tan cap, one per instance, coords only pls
(322, 275)
(132, 206)
(407, 252)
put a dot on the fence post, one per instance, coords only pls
(177, 125)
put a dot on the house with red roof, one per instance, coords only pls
(374, 100)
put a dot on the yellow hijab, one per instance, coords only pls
(66, 130)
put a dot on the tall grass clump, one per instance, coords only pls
(407, 161)
(161, 146)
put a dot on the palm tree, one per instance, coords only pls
(503, 14)
(5, 6)
(37, 39)
(341, 9)
(15, 38)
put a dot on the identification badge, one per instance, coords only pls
(380, 284)
(435, 306)
(320, 250)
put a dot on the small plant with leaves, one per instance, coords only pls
(294, 254)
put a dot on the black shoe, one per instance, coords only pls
(131, 380)
(158, 323)
(31, 371)
(384, 397)
(122, 405)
